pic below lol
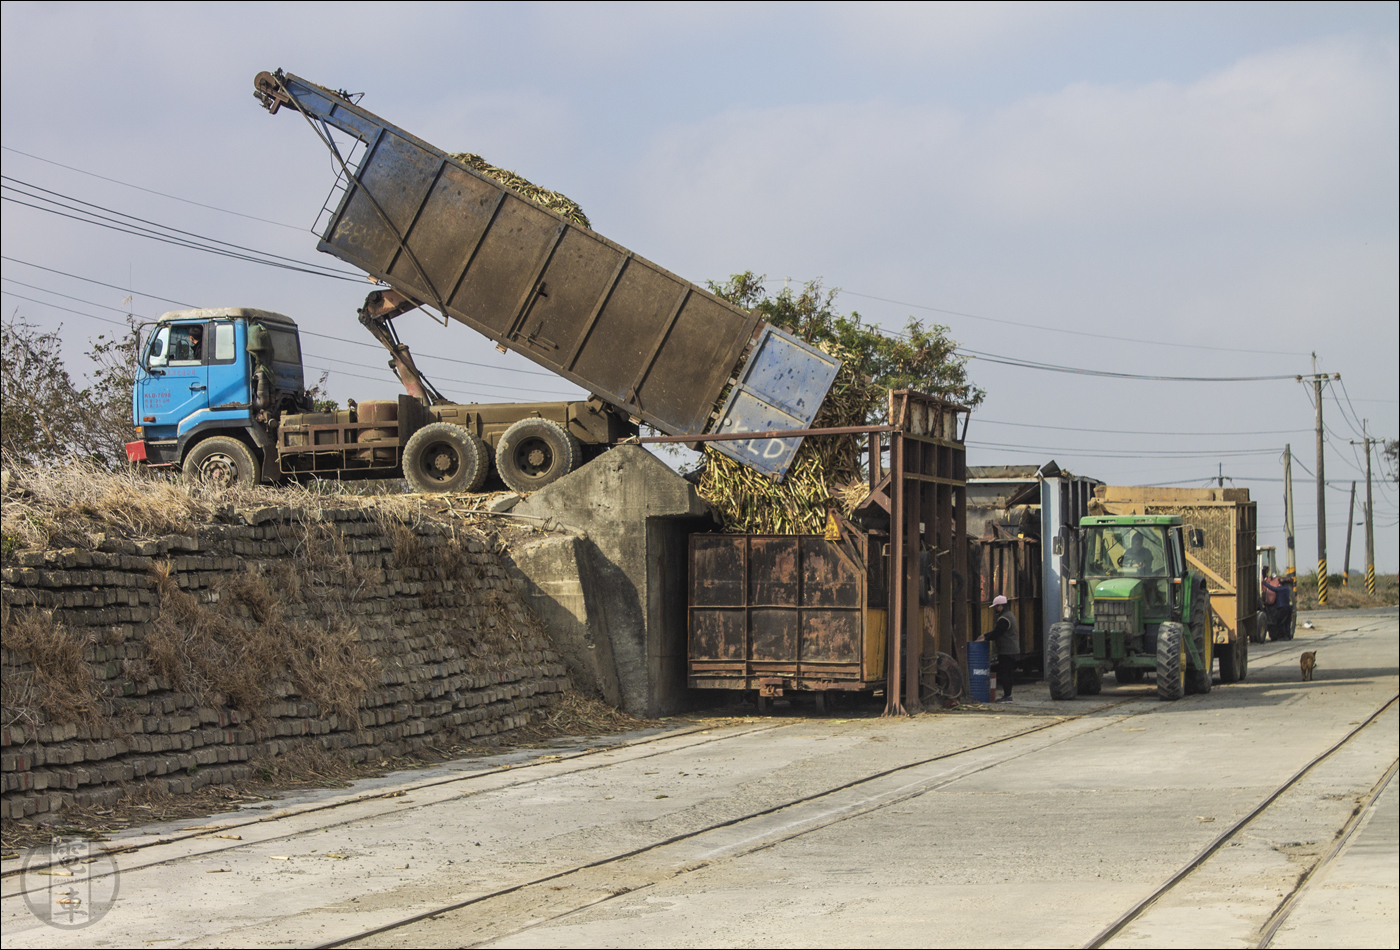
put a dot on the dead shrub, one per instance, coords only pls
(62, 685)
(238, 650)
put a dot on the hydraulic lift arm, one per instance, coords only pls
(382, 306)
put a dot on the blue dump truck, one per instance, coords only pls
(220, 394)
(202, 406)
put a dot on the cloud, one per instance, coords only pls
(945, 30)
(1295, 133)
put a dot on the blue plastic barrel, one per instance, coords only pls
(979, 669)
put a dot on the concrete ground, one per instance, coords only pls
(1034, 824)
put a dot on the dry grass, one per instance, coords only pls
(62, 685)
(574, 714)
(237, 651)
(1351, 596)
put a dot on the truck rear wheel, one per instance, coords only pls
(534, 453)
(1234, 660)
(1171, 661)
(445, 457)
(1059, 662)
(221, 462)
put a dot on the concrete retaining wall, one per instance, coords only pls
(440, 634)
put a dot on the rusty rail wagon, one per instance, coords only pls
(879, 602)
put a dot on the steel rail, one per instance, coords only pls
(740, 819)
(399, 790)
(1284, 909)
(1142, 906)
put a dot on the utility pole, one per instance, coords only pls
(1346, 558)
(1367, 441)
(1288, 510)
(1317, 380)
(1220, 478)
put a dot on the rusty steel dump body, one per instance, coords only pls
(786, 612)
(658, 347)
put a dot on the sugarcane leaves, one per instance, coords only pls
(829, 472)
(916, 357)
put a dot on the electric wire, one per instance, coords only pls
(152, 191)
(1081, 371)
(19, 184)
(1048, 329)
(176, 237)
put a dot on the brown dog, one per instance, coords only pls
(1306, 662)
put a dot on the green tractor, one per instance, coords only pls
(1132, 608)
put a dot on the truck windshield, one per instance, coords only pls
(1126, 550)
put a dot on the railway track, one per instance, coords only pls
(1230, 834)
(562, 891)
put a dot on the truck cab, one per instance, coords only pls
(194, 381)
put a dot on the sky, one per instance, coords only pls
(1203, 190)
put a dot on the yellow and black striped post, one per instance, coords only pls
(1322, 582)
(1371, 579)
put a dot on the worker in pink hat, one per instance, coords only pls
(1006, 637)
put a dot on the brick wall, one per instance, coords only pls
(420, 620)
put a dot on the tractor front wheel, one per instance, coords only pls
(1198, 677)
(1059, 662)
(1171, 661)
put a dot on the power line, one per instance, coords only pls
(1032, 425)
(1079, 371)
(136, 230)
(90, 316)
(1035, 326)
(151, 191)
(131, 217)
(100, 283)
(1125, 454)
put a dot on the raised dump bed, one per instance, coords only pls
(654, 345)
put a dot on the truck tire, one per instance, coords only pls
(1059, 662)
(1234, 660)
(534, 453)
(1128, 675)
(220, 462)
(445, 457)
(1261, 627)
(1198, 677)
(1171, 661)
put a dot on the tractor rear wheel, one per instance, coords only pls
(1059, 662)
(1171, 661)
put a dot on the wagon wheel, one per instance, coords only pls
(940, 678)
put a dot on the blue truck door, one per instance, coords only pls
(176, 383)
(228, 376)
